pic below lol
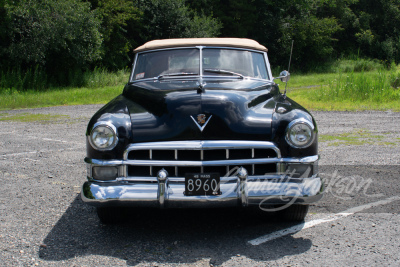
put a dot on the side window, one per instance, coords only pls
(259, 67)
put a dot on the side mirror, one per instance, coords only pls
(284, 76)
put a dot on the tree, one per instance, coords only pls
(313, 35)
(3, 32)
(57, 34)
(115, 17)
(379, 28)
(164, 19)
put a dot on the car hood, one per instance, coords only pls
(170, 110)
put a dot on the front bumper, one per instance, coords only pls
(243, 188)
(234, 192)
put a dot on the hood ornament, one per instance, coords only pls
(201, 121)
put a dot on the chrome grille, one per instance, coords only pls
(179, 158)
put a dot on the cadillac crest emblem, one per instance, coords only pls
(201, 121)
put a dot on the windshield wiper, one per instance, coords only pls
(224, 72)
(176, 74)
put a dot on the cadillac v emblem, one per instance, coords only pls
(201, 121)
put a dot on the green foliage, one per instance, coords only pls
(328, 91)
(310, 34)
(358, 65)
(52, 33)
(117, 43)
(371, 27)
(163, 19)
(357, 137)
(359, 87)
(14, 99)
(100, 77)
(50, 43)
(17, 80)
(29, 117)
(237, 16)
(275, 25)
(394, 77)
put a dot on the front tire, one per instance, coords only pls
(294, 213)
(110, 215)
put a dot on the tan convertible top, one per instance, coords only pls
(227, 42)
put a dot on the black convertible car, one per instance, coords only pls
(202, 124)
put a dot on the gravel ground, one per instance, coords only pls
(43, 222)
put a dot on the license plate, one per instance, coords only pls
(202, 184)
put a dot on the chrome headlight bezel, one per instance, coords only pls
(106, 126)
(305, 124)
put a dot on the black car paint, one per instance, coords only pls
(241, 109)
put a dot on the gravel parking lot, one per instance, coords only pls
(43, 221)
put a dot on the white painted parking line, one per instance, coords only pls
(19, 154)
(39, 151)
(333, 217)
(63, 141)
(54, 140)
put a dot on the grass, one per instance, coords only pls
(91, 87)
(37, 79)
(372, 90)
(373, 86)
(29, 117)
(356, 138)
(307, 80)
(350, 85)
(13, 99)
(302, 97)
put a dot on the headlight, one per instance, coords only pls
(103, 136)
(300, 133)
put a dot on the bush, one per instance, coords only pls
(33, 78)
(36, 79)
(362, 86)
(356, 65)
(56, 34)
(394, 78)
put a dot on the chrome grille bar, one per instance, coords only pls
(202, 145)
(199, 163)
(200, 160)
(176, 158)
(151, 157)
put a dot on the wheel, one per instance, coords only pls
(110, 215)
(294, 213)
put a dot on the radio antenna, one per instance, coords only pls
(290, 60)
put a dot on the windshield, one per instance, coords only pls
(154, 64)
(242, 62)
(215, 62)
